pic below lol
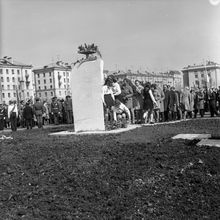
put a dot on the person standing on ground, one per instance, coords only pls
(28, 115)
(38, 111)
(166, 102)
(55, 110)
(149, 102)
(201, 102)
(1, 117)
(13, 114)
(68, 109)
(185, 101)
(212, 97)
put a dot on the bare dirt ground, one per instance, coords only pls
(139, 174)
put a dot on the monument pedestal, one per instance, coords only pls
(86, 85)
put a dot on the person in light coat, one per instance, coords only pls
(13, 114)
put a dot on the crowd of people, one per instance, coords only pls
(36, 113)
(140, 102)
(124, 102)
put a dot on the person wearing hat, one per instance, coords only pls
(56, 109)
(38, 109)
(13, 114)
(28, 115)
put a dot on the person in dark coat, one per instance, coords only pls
(38, 108)
(212, 97)
(173, 103)
(28, 115)
(1, 117)
(56, 110)
(166, 102)
(68, 109)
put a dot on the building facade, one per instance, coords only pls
(202, 76)
(16, 81)
(172, 78)
(52, 80)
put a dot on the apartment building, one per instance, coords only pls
(203, 75)
(16, 80)
(52, 80)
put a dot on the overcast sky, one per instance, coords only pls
(153, 34)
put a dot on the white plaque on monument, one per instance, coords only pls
(86, 85)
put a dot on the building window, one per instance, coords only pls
(12, 71)
(0, 71)
(26, 72)
(51, 86)
(50, 80)
(7, 79)
(202, 75)
(14, 87)
(50, 74)
(14, 94)
(38, 75)
(51, 93)
(39, 87)
(28, 94)
(3, 87)
(46, 94)
(18, 79)
(7, 71)
(44, 74)
(203, 82)
(60, 93)
(45, 81)
(9, 95)
(63, 73)
(38, 81)
(67, 73)
(18, 72)
(197, 82)
(2, 79)
(39, 94)
(65, 86)
(45, 87)
(64, 80)
(8, 87)
(13, 79)
(196, 76)
(3, 95)
(68, 80)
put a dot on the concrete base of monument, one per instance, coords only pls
(192, 136)
(115, 131)
(209, 142)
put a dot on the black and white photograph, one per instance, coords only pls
(109, 109)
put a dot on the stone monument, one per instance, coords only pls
(86, 85)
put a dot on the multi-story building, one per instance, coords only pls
(52, 80)
(172, 78)
(204, 76)
(16, 80)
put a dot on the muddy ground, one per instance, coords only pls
(139, 174)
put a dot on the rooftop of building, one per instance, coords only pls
(60, 65)
(10, 62)
(206, 64)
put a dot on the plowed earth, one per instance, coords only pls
(140, 174)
